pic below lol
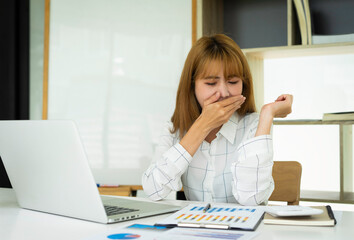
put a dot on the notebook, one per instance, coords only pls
(326, 218)
(49, 172)
(292, 211)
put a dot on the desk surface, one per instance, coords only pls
(17, 223)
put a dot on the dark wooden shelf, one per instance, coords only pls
(312, 122)
(326, 196)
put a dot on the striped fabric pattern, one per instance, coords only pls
(235, 167)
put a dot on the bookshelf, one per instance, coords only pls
(345, 194)
(300, 51)
(256, 57)
(225, 11)
(222, 16)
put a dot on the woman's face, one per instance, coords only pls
(215, 81)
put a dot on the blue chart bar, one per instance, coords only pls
(233, 210)
(219, 210)
(193, 208)
(227, 209)
(211, 210)
(253, 210)
(201, 208)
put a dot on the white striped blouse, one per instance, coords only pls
(235, 167)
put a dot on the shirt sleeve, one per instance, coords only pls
(170, 161)
(252, 172)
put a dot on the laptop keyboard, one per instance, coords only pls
(114, 210)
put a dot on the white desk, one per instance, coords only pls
(19, 224)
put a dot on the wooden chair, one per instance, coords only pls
(287, 178)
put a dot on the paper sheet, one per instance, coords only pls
(204, 234)
(219, 215)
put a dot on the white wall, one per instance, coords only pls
(319, 84)
(114, 68)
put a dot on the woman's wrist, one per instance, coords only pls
(267, 112)
(195, 136)
(266, 117)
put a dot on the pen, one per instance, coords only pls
(206, 207)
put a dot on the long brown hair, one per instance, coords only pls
(206, 50)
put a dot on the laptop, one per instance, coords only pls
(49, 172)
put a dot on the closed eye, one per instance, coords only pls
(233, 82)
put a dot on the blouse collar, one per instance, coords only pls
(228, 130)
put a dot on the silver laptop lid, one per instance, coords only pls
(48, 168)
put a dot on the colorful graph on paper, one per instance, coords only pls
(234, 216)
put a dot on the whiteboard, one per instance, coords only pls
(114, 68)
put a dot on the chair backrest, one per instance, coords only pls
(287, 178)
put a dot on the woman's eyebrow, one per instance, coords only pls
(211, 77)
(232, 76)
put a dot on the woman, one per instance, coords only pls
(216, 145)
